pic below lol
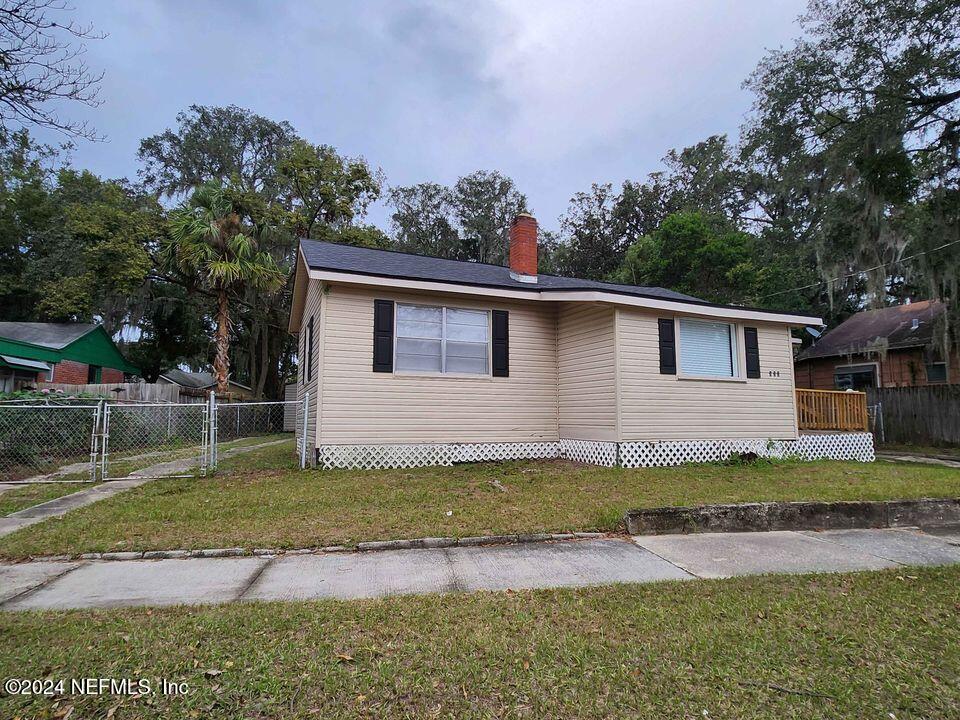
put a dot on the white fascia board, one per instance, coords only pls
(427, 285)
(595, 296)
(682, 307)
(299, 294)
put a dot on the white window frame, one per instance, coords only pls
(738, 358)
(443, 342)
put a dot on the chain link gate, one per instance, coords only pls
(136, 433)
(233, 421)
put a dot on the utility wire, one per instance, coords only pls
(857, 272)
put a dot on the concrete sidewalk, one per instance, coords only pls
(61, 585)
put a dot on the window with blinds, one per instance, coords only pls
(708, 349)
(442, 340)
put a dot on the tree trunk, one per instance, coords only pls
(253, 332)
(221, 363)
(264, 360)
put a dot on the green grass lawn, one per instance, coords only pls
(259, 499)
(121, 465)
(866, 645)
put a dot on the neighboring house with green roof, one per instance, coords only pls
(73, 353)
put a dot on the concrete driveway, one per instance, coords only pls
(62, 585)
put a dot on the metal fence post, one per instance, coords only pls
(105, 440)
(303, 430)
(95, 441)
(213, 430)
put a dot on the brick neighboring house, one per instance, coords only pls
(891, 347)
(72, 353)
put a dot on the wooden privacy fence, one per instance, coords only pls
(832, 410)
(140, 392)
(927, 415)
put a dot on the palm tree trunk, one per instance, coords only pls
(221, 363)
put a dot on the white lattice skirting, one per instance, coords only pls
(592, 452)
(847, 446)
(368, 457)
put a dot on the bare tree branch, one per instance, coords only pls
(41, 64)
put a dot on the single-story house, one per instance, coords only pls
(73, 353)
(413, 360)
(199, 384)
(890, 347)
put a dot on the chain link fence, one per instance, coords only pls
(40, 442)
(164, 433)
(109, 440)
(236, 421)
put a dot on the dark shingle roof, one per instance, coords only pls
(388, 263)
(183, 378)
(196, 380)
(872, 330)
(49, 335)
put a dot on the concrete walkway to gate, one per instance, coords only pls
(576, 563)
(62, 505)
(924, 459)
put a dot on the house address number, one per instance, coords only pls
(773, 373)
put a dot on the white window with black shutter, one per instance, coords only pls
(437, 339)
(708, 349)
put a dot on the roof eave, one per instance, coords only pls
(559, 295)
(846, 352)
(301, 282)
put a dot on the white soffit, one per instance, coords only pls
(597, 296)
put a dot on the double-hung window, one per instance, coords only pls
(442, 340)
(708, 349)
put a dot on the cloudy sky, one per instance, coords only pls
(556, 94)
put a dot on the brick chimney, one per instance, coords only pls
(523, 248)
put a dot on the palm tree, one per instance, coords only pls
(208, 243)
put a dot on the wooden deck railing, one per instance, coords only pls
(832, 410)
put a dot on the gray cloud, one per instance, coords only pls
(556, 94)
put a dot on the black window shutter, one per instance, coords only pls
(383, 336)
(310, 350)
(752, 347)
(668, 347)
(501, 343)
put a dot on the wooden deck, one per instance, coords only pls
(832, 410)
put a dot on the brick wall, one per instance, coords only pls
(70, 371)
(109, 375)
(75, 373)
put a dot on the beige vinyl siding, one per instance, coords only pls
(663, 407)
(312, 308)
(359, 406)
(587, 372)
